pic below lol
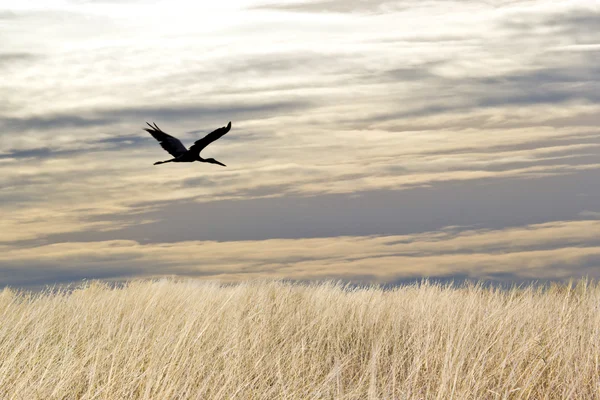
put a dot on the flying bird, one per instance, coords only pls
(174, 146)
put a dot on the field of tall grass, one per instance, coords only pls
(272, 340)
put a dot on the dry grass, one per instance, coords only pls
(179, 340)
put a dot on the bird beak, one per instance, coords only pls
(213, 161)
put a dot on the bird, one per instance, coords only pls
(174, 146)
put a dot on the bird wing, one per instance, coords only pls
(211, 137)
(171, 144)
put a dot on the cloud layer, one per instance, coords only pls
(550, 251)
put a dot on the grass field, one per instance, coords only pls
(271, 340)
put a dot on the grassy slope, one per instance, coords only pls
(162, 340)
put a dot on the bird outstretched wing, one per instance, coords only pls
(171, 144)
(208, 139)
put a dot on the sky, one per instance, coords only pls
(372, 141)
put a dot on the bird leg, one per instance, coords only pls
(162, 162)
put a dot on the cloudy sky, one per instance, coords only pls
(372, 140)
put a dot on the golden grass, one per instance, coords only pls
(272, 340)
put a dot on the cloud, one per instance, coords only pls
(332, 6)
(590, 214)
(17, 125)
(12, 58)
(544, 86)
(557, 250)
(197, 112)
(41, 152)
(7, 15)
(581, 22)
(273, 213)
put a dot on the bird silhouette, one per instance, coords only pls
(174, 146)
